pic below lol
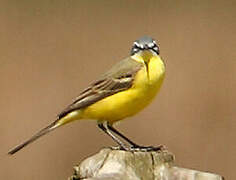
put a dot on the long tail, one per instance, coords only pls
(42, 132)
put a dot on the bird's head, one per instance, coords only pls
(145, 46)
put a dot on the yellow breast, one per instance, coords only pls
(133, 100)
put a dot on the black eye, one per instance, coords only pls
(155, 48)
(134, 50)
(136, 46)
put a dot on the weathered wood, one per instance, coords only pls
(122, 165)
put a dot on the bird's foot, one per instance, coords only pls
(137, 148)
(147, 148)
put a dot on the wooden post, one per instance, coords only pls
(111, 164)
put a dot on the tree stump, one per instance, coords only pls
(111, 164)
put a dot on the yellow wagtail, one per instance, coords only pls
(123, 91)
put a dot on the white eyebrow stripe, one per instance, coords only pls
(151, 45)
(141, 46)
(136, 43)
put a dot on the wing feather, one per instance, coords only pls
(119, 78)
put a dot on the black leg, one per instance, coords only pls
(134, 145)
(121, 135)
(108, 129)
(105, 128)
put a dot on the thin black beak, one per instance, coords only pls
(147, 68)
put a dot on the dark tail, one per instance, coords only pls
(32, 139)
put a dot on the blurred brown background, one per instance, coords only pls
(51, 50)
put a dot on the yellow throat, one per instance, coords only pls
(127, 103)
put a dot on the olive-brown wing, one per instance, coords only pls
(118, 79)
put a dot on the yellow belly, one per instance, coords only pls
(131, 101)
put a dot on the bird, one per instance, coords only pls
(123, 91)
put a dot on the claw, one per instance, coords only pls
(147, 148)
(137, 148)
